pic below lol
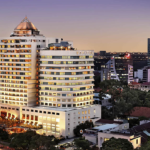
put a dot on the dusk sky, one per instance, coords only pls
(112, 25)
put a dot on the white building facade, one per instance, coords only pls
(51, 86)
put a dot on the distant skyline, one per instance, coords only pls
(111, 25)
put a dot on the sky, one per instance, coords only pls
(111, 25)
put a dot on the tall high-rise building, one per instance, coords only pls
(148, 52)
(46, 81)
(118, 68)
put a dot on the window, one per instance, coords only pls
(106, 139)
(57, 119)
(57, 114)
(49, 112)
(53, 113)
(136, 141)
(32, 110)
(40, 111)
(44, 118)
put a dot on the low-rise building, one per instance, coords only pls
(135, 140)
(104, 102)
(92, 134)
(140, 86)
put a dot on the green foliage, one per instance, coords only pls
(81, 143)
(3, 134)
(117, 144)
(96, 81)
(146, 146)
(82, 126)
(123, 99)
(31, 140)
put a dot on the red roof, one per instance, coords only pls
(135, 83)
(140, 111)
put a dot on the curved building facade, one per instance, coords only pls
(66, 78)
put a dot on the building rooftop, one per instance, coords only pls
(140, 111)
(26, 25)
(108, 121)
(105, 127)
(55, 108)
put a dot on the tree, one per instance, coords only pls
(31, 140)
(117, 144)
(145, 146)
(3, 134)
(82, 126)
(113, 88)
(81, 143)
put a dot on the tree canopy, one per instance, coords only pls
(82, 126)
(3, 134)
(31, 140)
(123, 99)
(117, 144)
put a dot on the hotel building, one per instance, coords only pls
(44, 81)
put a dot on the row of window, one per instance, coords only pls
(66, 89)
(66, 95)
(14, 77)
(13, 90)
(66, 57)
(12, 86)
(40, 111)
(16, 73)
(65, 84)
(70, 78)
(15, 46)
(65, 68)
(15, 51)
(14, 64)
(9, 68)
(12, 94)
(13, 102)
(66, 62)
(65, 73)
(66, 100)
(14, 81)
(15, 55)
(16, 60)
(66, 105)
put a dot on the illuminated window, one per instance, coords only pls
(57, 119)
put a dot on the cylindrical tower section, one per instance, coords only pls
(66, 78)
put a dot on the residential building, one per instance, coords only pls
(143, 74)
(140, 86)
(118, 68)
(134, 139)
(148, 51)
(104, 102)
(139, 59)
(45, 81)
(108, 129)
